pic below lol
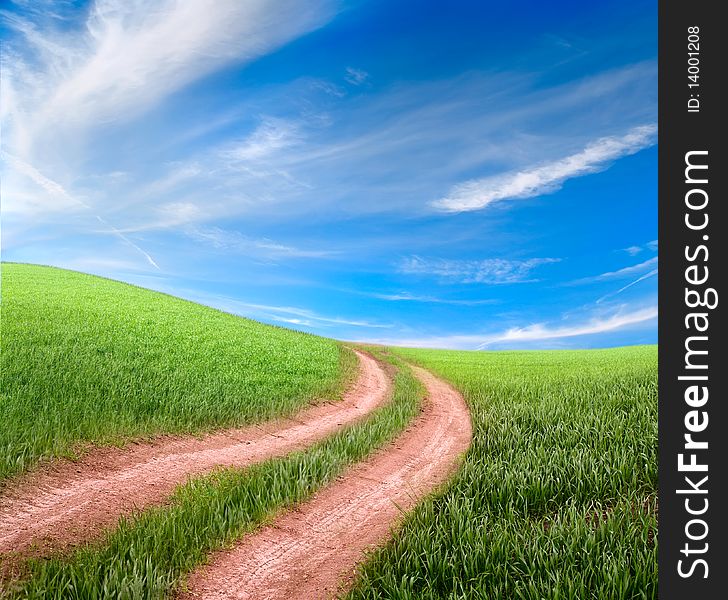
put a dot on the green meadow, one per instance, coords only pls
(148, 555)
(86, 359)
(557, 497)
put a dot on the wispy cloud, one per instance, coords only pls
(55, 198)
(179, 213)
(102, 265)
(635, 250)
(622, 273)
(234, 241)
(300, 316)
(127, 241)
(593, 326)
(395, 138)
(269, 137)
(540, 334)
(178, 174)
(546, 178)
(652, 273)
(301, 158)
(291, 315)
(489, 271)
(327, 87)
(120, 39)
(408, 297)
(356, 76)
(230, 168)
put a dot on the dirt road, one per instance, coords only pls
(311, 553)
(75, 502)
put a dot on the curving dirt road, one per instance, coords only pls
(312, 552)
(77, 501)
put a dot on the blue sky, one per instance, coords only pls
(460, 175)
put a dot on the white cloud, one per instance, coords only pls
(328, 88)
(271, 136)
(169, 215)
(408, 297)
(292, 315)
(546, 178)
(302, 316)
(62, 77)
(178, 174)
(181, 212)
(303, 164)
(635, 250)
(234, 241)
(127, 241)
(56, 197)
(489, 271)
(542, 334)
(629, 285)
(133, 54)
(356, 76)
(593, 326)
(627, 271)
(623, 273)
(100, 264)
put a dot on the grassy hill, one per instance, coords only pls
(557, 497)
(87, 359)
(149, 553)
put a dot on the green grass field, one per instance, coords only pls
(557, 496)
(147, 556)
(86, 359)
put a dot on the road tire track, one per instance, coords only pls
(312, 551)
(76, 502)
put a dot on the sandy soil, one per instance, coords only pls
(73, 502)
(312, 552)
